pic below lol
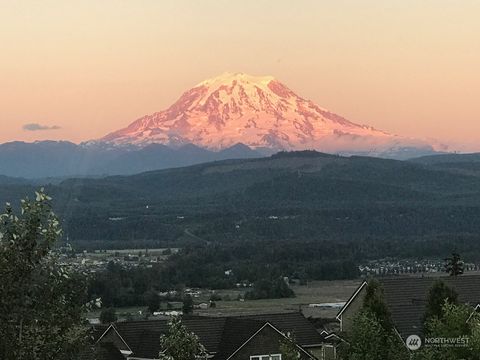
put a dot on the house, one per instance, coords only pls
(101, 351)
(254, 337)
(406, 298)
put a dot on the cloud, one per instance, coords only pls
(39, 127)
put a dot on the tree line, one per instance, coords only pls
(268, 266)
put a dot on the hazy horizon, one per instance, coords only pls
(78, 71)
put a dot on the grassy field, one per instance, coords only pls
(315, 292)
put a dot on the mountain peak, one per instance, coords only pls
(230, 77)
(258, 111)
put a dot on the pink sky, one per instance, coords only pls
(90, 67)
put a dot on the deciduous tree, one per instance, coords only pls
(41, 303)
(437, 295)
(288, 348)
(180, 344)
(457, 321)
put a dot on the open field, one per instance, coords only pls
(316, 292)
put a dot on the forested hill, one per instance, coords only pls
(289, 196)
(468, 164)
(447, 158)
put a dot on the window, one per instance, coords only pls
(267, 357)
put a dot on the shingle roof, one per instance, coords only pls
(236, 332)
(148, 345)
(295, 323)
(97, 330)
(101, 351)
(135, 332)
(208, 329)
(221, 335)
(144, 336)
(406, 298)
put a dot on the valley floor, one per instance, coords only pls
(317, 299)
(315, 292)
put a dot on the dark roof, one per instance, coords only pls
(332, 338)
(406, 298)
(143, 337)
(236, 332)
(135, 333)
(148, 345)
(220, 335)
(294, 323)
(101, 351)
(208, 329)
(97, 330)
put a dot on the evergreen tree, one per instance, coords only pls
(454, 264)
(372, 336)
(369, 340)
(152, 300)
(187, 306)
(108, 315)
(374, 303)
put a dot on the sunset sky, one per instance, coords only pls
(76, 70)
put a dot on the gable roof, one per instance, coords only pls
(219, 335)
(266, 324)
(235, 333)
(349, 301)
(403, 289)
(333, 338)
(406, 298)
(295, 323)
(144, 336)
(111, 328)
(97, 330)
(101, 351)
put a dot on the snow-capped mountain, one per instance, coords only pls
(260, 112)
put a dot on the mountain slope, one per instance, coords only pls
(468, 164)
(289, 196)
(237, 176)
(259, 112)
(447, 158)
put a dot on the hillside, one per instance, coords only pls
(289, 196)
(446, 158)
(468, 164)
(288, 171)
(6, 180)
